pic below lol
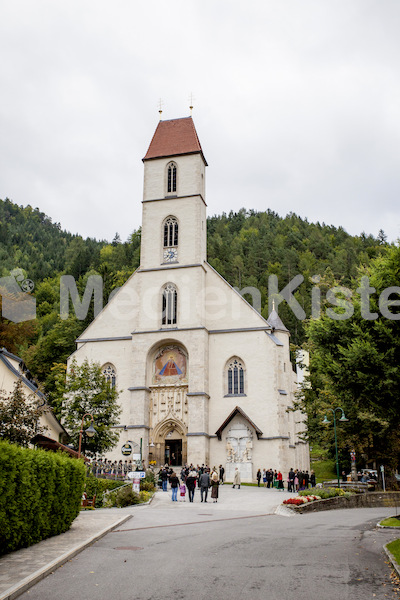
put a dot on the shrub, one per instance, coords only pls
(40, 495)
(96, 487)
(126, 497)
(146, 486)
(323, 492)
(150, 477)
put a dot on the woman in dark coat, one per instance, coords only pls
(191, 484)
(258, 477)
(214, 486)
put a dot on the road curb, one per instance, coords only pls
(392, 560)
(21, 587)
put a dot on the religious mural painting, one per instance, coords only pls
(170, 366)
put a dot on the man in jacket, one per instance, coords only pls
(204, 484)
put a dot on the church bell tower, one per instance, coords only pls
(174, 208)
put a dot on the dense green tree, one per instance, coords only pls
(355, 364)
(85, 390)
(19, 416)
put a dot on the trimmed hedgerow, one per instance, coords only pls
(40, 495)
(96, 487)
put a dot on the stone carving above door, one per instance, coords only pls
(239, 444)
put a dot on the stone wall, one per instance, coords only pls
(367, 500)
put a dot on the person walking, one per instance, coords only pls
(236, 478)
(258, 477)
(164, 479)
(214, 486)
(174, 482)
(182, 492)
(204, 484)
(221, 474)
(191, 484)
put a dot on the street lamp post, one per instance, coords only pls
(342, 420)
(90, 431)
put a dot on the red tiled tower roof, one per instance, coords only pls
(174, 137)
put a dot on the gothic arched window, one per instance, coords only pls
(171, 178)
(109, 373)
(235, 376)
(170, 232)
(169, 304)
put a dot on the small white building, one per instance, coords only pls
(12, 370)
(204, 378)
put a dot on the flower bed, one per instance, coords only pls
(302, 500)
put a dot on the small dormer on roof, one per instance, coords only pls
(174, 138)
(276, 323)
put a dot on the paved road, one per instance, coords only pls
(233, 549)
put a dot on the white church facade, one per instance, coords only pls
(204, 378)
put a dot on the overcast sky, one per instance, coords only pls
(296, 103)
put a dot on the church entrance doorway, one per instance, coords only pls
(173, 452)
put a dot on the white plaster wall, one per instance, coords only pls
(190, 176)
(191, 215)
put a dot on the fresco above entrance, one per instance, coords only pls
(170, 366)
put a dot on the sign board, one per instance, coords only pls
(136, 474)
(136, 486)
(135, 456)
(126, 449)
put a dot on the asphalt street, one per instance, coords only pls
(236, 549)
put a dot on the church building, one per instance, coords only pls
(204, 378)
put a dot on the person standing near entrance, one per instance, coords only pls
(204, 484)
(236, 478)
(174, 482)
(214, 485)
(191, 484)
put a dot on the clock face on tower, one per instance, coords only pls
(170, 254)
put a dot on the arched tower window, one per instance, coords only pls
(170, 232)
(235, 376)
(169, 304)
(109, 373)
(171, 178)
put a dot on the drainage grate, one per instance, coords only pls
(128, 548)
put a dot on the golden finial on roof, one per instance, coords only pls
(191, 99)
(160, 105)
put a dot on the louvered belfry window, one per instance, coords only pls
(171, 178)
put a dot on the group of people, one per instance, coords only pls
(296, 480)
(191, 477)
(108, 469)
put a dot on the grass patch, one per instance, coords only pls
(394, 548)
(390, 522)
(324, 470)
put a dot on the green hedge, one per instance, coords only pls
(40, 495)
(95, 486)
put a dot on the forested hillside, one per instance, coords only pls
(245, 247)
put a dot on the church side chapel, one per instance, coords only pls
(204, 378)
